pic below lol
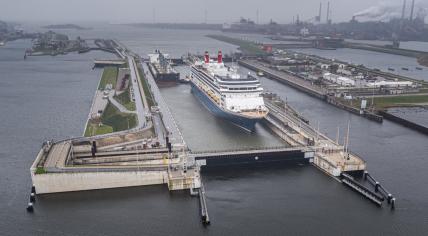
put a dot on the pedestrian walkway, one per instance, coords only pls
(119, 106)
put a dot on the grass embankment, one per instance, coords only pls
(125, 100)
(93, 129)
(149, 97)
(109, 77)
(40, 170)
(117, 120)
(112, 120)
(382, 103)
(246, 47)
(411, 100)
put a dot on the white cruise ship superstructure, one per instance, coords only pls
(226, 94)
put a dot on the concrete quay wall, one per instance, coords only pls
(79, 181)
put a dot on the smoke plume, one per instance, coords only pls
(385, 11)
(379, 10)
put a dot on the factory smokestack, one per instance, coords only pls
(328, 12)
(411, 10)
(220, 57)
(319, 13)
(404, 10)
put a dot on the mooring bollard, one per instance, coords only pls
(32, 197)
(377, 187)
(389, 197)
(30, 207)
(392, 203)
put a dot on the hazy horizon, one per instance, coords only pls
(190, 11)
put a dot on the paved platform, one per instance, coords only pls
(329, 155)
(171, 126)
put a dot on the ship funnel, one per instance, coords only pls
(207, 57)
(220, 57)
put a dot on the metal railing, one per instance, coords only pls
(273, 148)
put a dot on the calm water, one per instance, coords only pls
(412, 45)
(418, 115)
(45, 97)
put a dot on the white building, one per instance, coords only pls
(390, 84)
(344, 71)
(337, 79)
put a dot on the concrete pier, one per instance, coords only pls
(348, 180)
(104, 63)
(328, 155)
(203, 205)
(121, 159)
(58, 169)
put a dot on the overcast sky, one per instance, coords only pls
(218, 11)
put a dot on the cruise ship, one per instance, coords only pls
(223, 92)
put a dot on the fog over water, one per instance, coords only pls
(50, 97)
(218, 11)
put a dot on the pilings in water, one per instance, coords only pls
(203, 206)
(377, 196)
(379, 188)
(373, 196)
(30, 207)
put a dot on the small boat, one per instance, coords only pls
(391, 69)
(405, 68)
(260, 73)
(419, 68)
(2, 43)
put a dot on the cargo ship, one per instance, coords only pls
(160, 67)
(223, 92)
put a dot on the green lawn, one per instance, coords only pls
(109, 77)
(117, 120)
(392, 101)
(147, 92)
(384, 102)
(95, 129)
(246, 47)
(125, 100)
(40, 170)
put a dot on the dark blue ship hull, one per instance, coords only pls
(243, 122)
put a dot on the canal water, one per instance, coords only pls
(418, 115)
(50, 97)
(412, 45)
